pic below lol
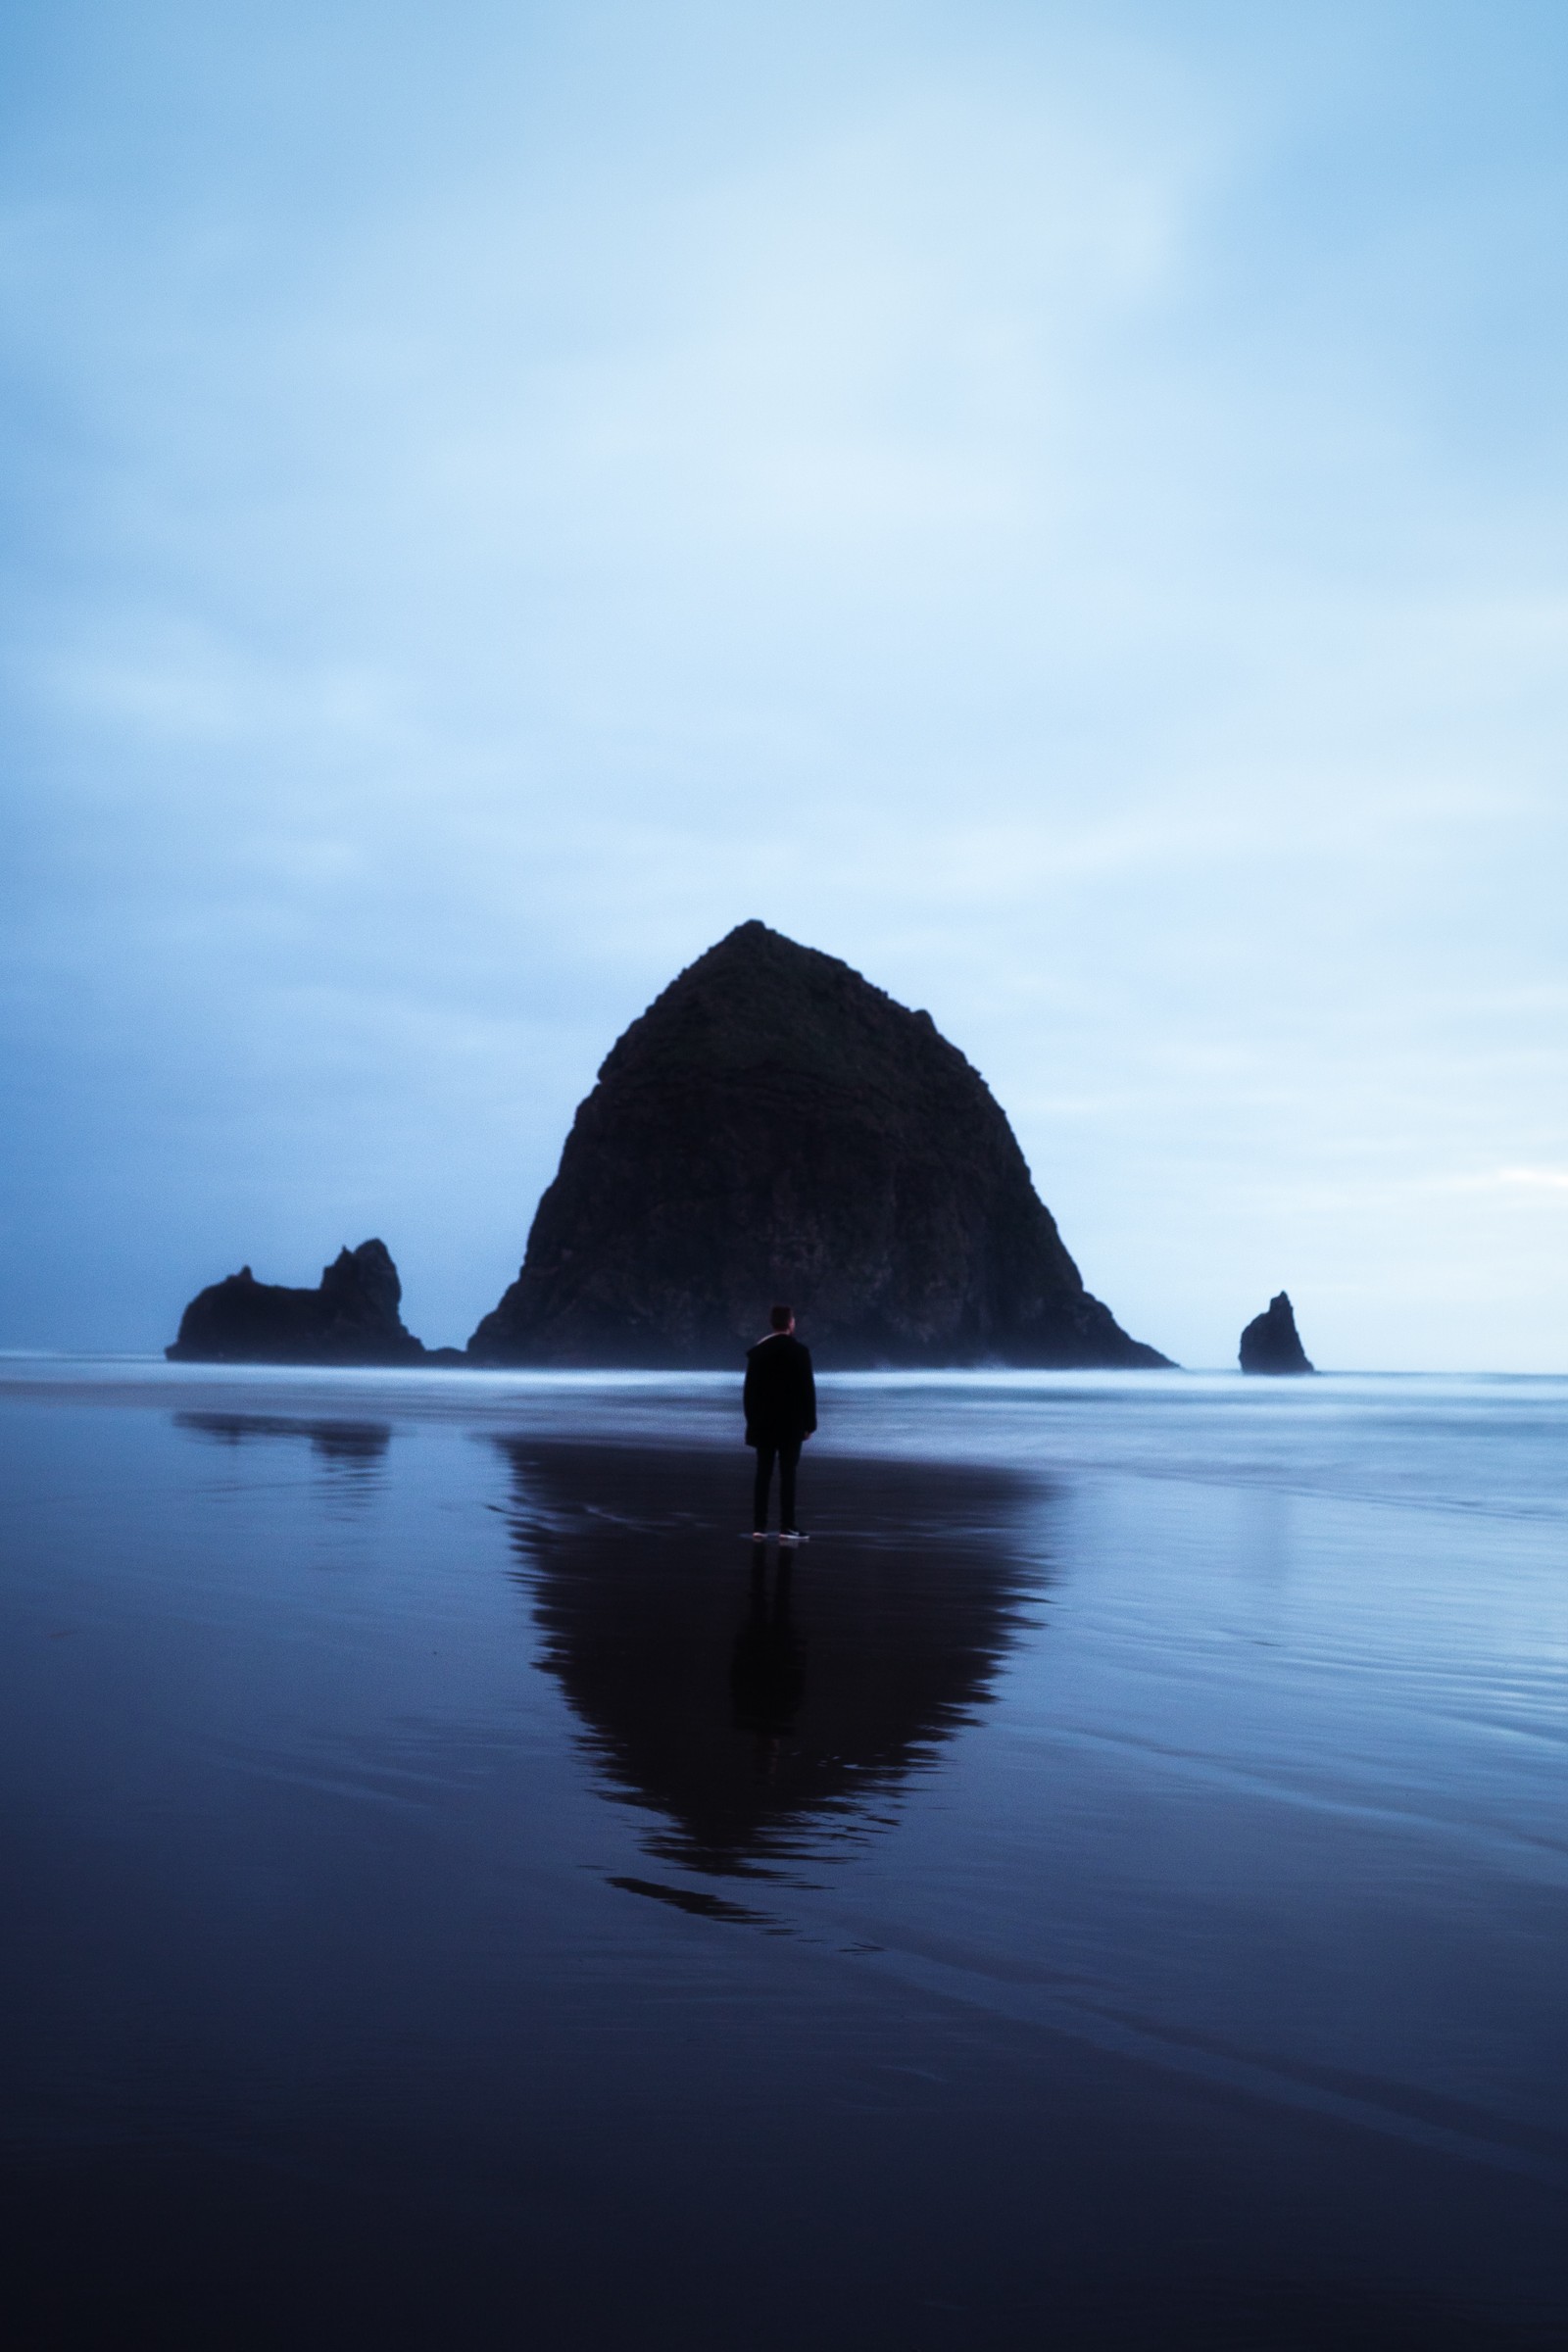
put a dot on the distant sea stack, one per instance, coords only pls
(1270, 1342)
(351, 1318)
(774, 1127)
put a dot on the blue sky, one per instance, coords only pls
(1060, 506)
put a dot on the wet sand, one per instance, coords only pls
(463, 1894)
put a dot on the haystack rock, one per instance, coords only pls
(1271, 1343)
(774, 1127)
(351, 1318)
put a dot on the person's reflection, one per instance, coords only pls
(770, 1665)
(766, 1713)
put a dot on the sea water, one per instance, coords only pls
(1108, 1888)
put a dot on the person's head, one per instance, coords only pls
(782, 1318)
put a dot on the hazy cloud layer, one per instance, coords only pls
(1064, 507)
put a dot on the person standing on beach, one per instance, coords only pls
(780, 1400)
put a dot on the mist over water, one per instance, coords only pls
(1109, 1887)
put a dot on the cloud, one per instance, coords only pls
(1053, 505)
(1529, 1180)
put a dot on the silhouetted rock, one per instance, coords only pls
(1270, 1342)
(352, 1318)
(774, 1127)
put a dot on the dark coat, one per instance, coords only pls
(780, 1394)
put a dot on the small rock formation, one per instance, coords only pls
(352, 1318)
(774, 1127)
(1270, 1342)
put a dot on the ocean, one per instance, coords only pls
(1108, 1889)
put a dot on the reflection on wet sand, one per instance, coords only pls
(769, 1706)
(353, 1445)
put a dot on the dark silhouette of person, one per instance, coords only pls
(780, 1400)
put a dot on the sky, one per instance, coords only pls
(1062, 506)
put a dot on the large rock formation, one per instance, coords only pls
(774, 1127)
(1271, 1344)
(352, 1318)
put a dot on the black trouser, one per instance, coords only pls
(788, 1451)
